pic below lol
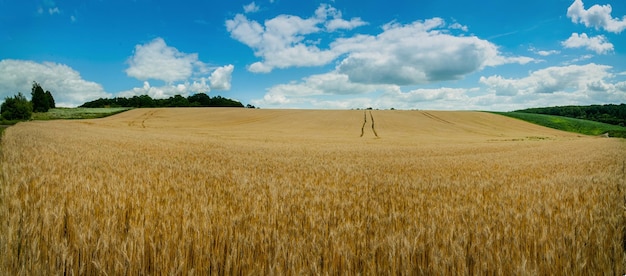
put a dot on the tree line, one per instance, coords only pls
(196, 100)
(19, 108)
(608, 113)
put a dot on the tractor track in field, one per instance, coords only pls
(150, 115)
(144, 117)
(365, 122)
(436, 118)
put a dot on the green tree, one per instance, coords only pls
(201, 99)
(51, 103)
(16, 108)
(177, 101)
(41, 103)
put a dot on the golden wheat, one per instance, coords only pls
(232, 191)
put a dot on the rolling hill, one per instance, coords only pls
(248, 191)
(351, 125)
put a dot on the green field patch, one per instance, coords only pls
(78, 113)
(569, 124)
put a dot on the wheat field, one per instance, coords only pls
(195, 191)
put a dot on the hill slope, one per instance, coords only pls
(421, 126)
(236, 191)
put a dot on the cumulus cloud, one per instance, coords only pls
(280, 41)
(221, 77)
(425, 95)
(337, 22)
(66, 85)
(251, 8)
(335, 90)
(311, 87)
(183, 73)
(312, 93)
(159, 92)
(329, 83)
(598, 17)
(598, 44)
(417, 53)
(156, 60)
(550, 80)
(558, 85)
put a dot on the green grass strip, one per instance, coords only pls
(569, 124)
(77, 113)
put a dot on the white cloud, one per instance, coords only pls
(156, 60)
(420, 52)
(54, 10)
(457, 26)
(550, 80)
(416, 53)
(331, 84)
(544, 53)
(219, 80)
(168, 90)
(184, 89)
(598, 16)
(316, 86)
(221, 77)
(280, 41)
(425, 95)
(65, 83)
(501, 86)
(336, 22)
(548, 53)
(246, 31)
(598, 44)
(559, 85)
(251, 8)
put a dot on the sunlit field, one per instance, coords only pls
(257, 192)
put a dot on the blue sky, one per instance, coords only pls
(446, 55)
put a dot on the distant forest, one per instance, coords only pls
(609, 113)
(196, 100)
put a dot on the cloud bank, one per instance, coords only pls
(183, 73)
(419, 52)
(65, 84)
